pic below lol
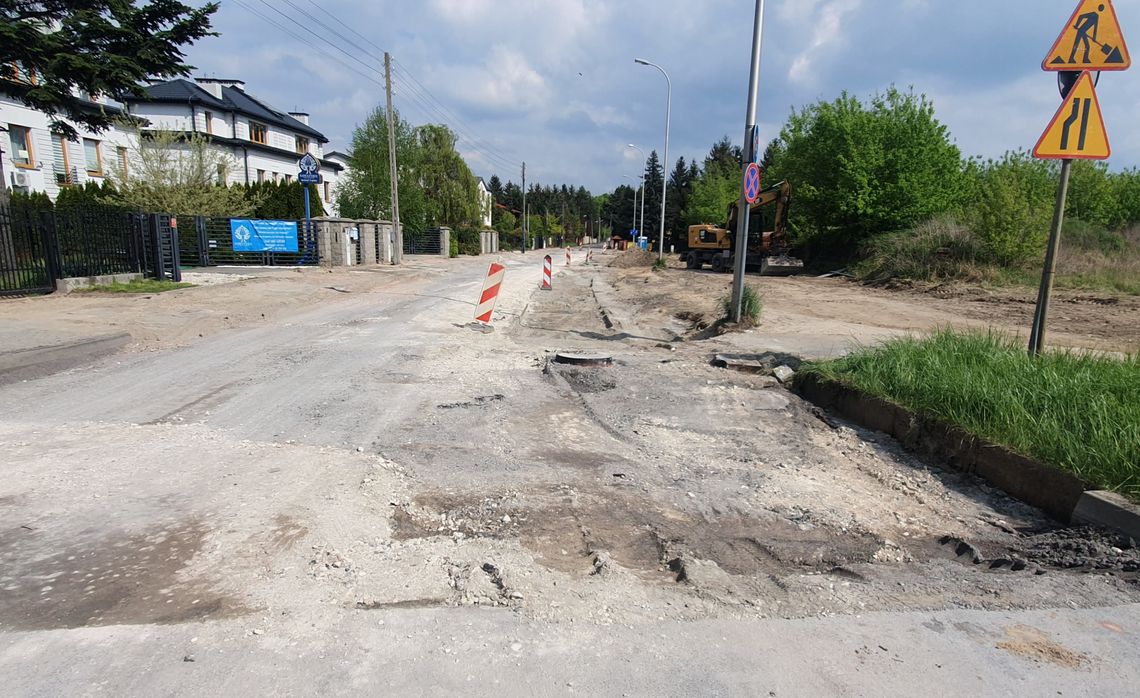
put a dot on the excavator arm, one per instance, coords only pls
(780, 194)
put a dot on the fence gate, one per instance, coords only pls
(164, 246)
(422, 242)
(28, 254)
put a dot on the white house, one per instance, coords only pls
(486, 203)
(264, 142)
(37, 159)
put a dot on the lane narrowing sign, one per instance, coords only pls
(752, 183)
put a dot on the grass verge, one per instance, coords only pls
(1074, 411)
(136, 286)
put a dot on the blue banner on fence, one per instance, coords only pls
(263, 236)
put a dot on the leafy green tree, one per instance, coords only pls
(55, 50)
(448, 185)
(365, 192)
(858, 170)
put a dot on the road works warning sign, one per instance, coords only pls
(1077, 130)
(1092, 40)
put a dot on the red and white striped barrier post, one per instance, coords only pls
(490, 293)
(568, 257)
(547, 264)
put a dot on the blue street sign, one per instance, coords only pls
(752, 183)
(308, 163)
(633, 233)
(309, 177)
(263, 236)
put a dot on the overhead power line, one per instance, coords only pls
(416, 93)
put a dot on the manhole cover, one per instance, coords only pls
(577, 359)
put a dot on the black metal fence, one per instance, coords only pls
(38, 247)
(26, 254)
(422, 242)
(209, 242)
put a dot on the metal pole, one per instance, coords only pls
(665, 161)
(1037, 335)
(398, 252)
(525, 217)
(308, 218)
(744, 213)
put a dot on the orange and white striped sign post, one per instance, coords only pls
(490, 295)
(568, 257)
(547, 265)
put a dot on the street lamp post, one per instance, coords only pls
(665, 162)
(641, 225)
(641, 188)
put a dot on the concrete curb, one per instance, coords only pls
(37, 362)
(1061, 495)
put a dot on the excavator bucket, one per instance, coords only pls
(781, 265)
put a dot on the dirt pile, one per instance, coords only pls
(631, 259)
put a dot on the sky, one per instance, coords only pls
(553, 82)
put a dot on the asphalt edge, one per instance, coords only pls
(37, 362)
(1064, 497)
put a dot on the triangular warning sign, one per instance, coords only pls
(1092, 40)
(1077, 131)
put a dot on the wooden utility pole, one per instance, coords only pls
(398, 252)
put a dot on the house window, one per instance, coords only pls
(258, 133)
(20, 138)
(288, 178)
(261, 175)
(302, 145)
(209, 122)
(25, 75)
(62, 163)
(93, 156)
(276, 177)
(328, 197)
(124, 169)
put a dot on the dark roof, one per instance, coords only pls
(233, 99)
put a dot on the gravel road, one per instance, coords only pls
(363, 493)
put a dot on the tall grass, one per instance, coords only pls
(1075, 411)
(751, 305)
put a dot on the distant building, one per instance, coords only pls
(486, 203)
(264, 142)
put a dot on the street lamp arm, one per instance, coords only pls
(665, 161)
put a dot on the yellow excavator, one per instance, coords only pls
(767, 250)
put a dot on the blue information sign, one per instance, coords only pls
(263, 236)
(309, 177)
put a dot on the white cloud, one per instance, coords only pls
(827, 33)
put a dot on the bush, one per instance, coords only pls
(1013, 207)
(941, 248)
(750, 306)
(1090, 237)
(469, 242)
(453, 245)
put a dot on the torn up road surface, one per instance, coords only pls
(369, 496)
